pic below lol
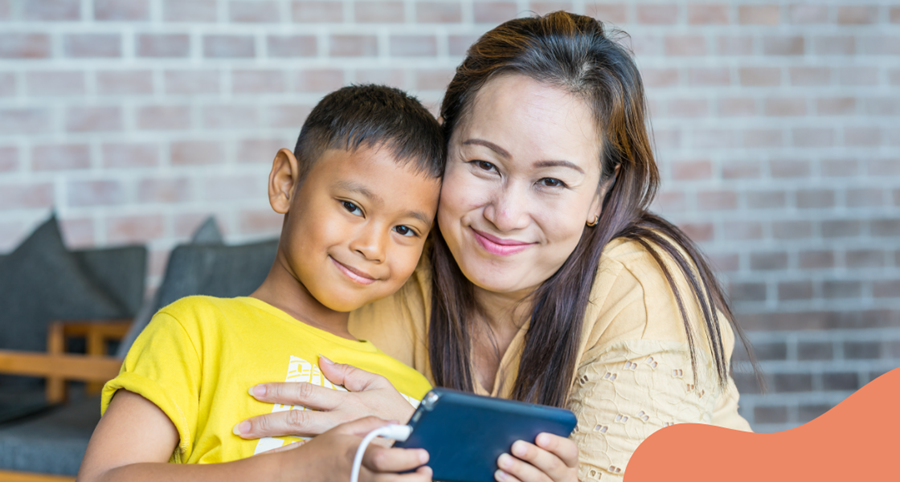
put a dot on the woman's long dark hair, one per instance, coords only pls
(574, 53)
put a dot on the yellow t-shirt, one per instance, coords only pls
(199, 356)
(633, 374)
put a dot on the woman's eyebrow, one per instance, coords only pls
(490, 145)
(568, 164)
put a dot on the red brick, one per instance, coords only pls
(157, 259)
(879, 45)
(768, 261)
(52, 10)
(759, 14)
(734, 45)
(791, 229)
(5, 9)
(815, 199)
(858, 76)
(809, 76)
(165, 190)
(164, 117)
(835, 45)
(7, 84)
(353, 46)
(93, 119)
(658, 14)
(783, 45)
(96, 193)
(763, 138)
(766, 414)
(234, 187)
(841, 289)
(229, 117)
(862, 137)
(747, 291)
(24, 46)
(708, 14)
(324, 80)
(195, 152)
(253, 12)
(317, 12)
(857, 15)
(24, 121)
(716, 200)
(864, 258)
(413, 46)
(685, 45)
(766, 199)
(836, 106)
(379, 12)
(885, 227)
(163, 45)
(78, 232)
(438, 12)
(189, 10)
(785, 107)
(816, 259)
(92, 45)
(659, 77)
(58, 157)
(742, 230)
(117, 10)
(287, 115)
(814, 137)
(9, 158)
(737, 107)
(741, 170)
(886, 289)
(392, 77)
(698, 232)
(117, 155)
(494, 12)
(192, 82)
(257, 81)
(709, 76)
(714, 138)
(616, 13)
(895, 14)
(645, 45)
(841, 228)
(124, 82)
(760, 76)
(433, 79)
(688, 108)
(135, 229)
(692, 170)
(26, 195)
(282, 46)
(808, 14)
(795, 290)
(883, 167)
(788, 168)
(670, 201)
(184, 224)
(667, 138)
(228, 46)
(897, 203)
(459, 44)
(260, 221)
(543, 8)
(261, 151)
(865, 197)
(55, 83)
(725, 261)
(883, 106)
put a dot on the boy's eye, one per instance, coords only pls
(352, 208)
(551, 182)
(405, 231)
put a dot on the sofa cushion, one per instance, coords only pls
(119, 272)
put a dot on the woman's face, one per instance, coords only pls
(521, 182)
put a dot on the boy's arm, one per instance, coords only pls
(135, 439)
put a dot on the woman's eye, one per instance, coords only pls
(352, 208)
(551, 182)
(405, 231)
(484, 165)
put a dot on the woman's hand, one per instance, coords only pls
(369, 395)
(550, 459)
(331, 454)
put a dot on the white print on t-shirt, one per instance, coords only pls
(300, 370)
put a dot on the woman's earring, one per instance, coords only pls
(594, 222)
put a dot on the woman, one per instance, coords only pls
(548, 280)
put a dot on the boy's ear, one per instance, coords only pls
(283, 180)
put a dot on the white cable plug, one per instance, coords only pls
(393, 432)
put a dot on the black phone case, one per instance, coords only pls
(466, 433)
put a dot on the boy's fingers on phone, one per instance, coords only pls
(546, 462)
(302, 393)
(422, 474)
(382, 459)
(512, 469)
(562, 447)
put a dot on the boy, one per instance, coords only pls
(359, 195)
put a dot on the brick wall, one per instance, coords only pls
(777, 127)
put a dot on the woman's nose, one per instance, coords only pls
(508, 209)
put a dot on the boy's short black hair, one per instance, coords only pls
(374, 115)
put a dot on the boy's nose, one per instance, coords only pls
(370, 244)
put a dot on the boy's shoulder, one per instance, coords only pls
(200, 307)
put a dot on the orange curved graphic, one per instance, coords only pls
(859, 439)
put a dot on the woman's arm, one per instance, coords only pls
(135, 439)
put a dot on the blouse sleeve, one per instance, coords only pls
(635, 374)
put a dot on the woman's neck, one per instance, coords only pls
(502, 316)
(504, 312)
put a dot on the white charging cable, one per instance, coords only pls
(393, 432)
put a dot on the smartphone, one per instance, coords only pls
(464, 433)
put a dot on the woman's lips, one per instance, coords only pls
(354, 274)
(499, 246)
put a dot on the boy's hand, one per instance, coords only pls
(369, 395)
(550, 459)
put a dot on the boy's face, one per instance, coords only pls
(357, 226)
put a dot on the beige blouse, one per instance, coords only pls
(634, 372)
